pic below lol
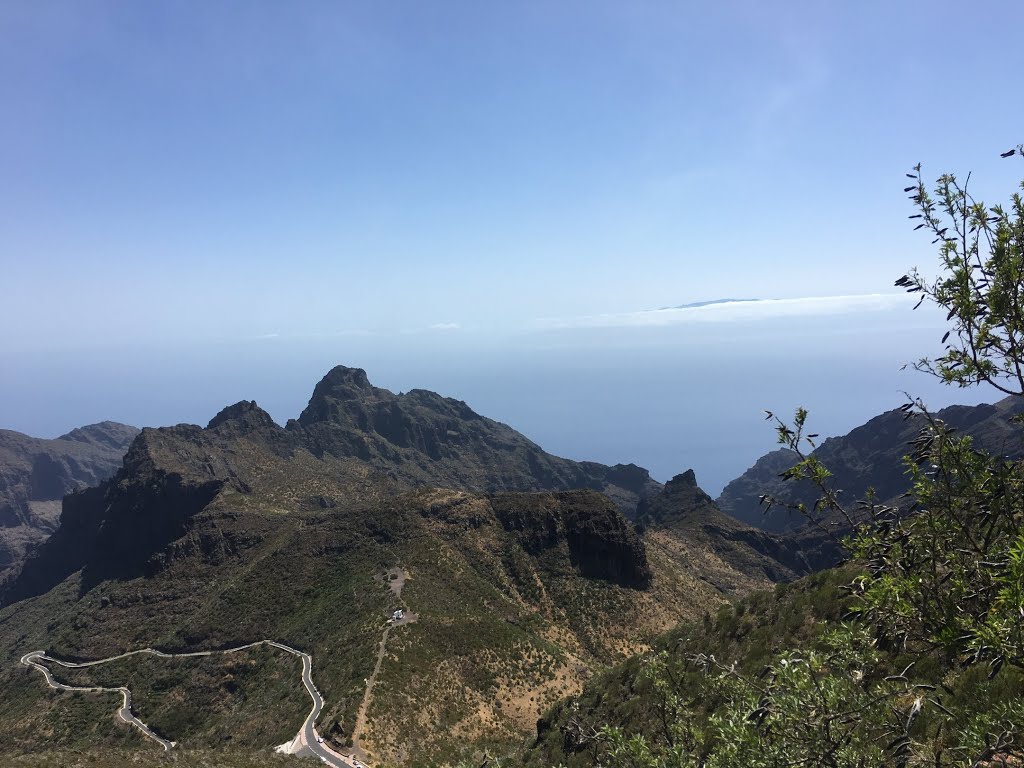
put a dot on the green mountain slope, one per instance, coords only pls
(745, 637)
(242, 531)
(749, 632)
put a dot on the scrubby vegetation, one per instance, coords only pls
(248, 699)
(135, 758)
(498, 621)
(913, 654)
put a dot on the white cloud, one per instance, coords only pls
(318, 334)
(736, 311)
(445, 327)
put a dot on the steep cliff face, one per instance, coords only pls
(116, 529)
(35, 474)
(680, 501)
(759, 479)
(869, 456)
(423, 438)
(168, 475)
(733, 556)
(241, 530)
(36, 470)
(600, 542)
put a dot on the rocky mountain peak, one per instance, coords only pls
(680, 498)
(333, 395)
(105, 434)
(246, 416)
(630, 477)
(684, 487)
(343, 376)
(424, 438)
(684, 512)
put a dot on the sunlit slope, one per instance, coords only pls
(244, 531)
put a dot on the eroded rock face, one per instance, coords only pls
(35, 474)
(105, 434)
(680, 498)
(423, 438)
(684, 512)
(114, 530)
(869, 456)
(761, 478)
(601, 543)
(388, 442)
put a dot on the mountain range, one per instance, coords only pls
(517, 575)
(870, 456)
(521, 570)
(36, 474)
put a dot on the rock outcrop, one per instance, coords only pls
(422, 438)
(687, 521)
(35, 474)
(600, 542)
(870, 456)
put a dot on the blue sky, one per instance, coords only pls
(205, 201)
(187, 170)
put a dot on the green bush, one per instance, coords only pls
(929, 667)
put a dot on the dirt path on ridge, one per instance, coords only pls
(396, 580)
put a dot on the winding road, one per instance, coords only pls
(307, 742)
(35, 660)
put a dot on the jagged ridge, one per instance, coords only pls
(35, 474)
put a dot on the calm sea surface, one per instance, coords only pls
(668, 399)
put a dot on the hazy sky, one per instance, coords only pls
(207, 201)
(219, 170)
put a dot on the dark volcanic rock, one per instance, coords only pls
(680, 499)
(124, 527)
(115, 529)
(631, 478)
(106, 434)
(35, 474)
(422, 438)
(764, 475)
(601, 542)
(375, 441)
(246, 419)
(685, 511)
(870, 456)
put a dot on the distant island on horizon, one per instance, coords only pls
(696, 304)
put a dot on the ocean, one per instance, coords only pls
(669, 398)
